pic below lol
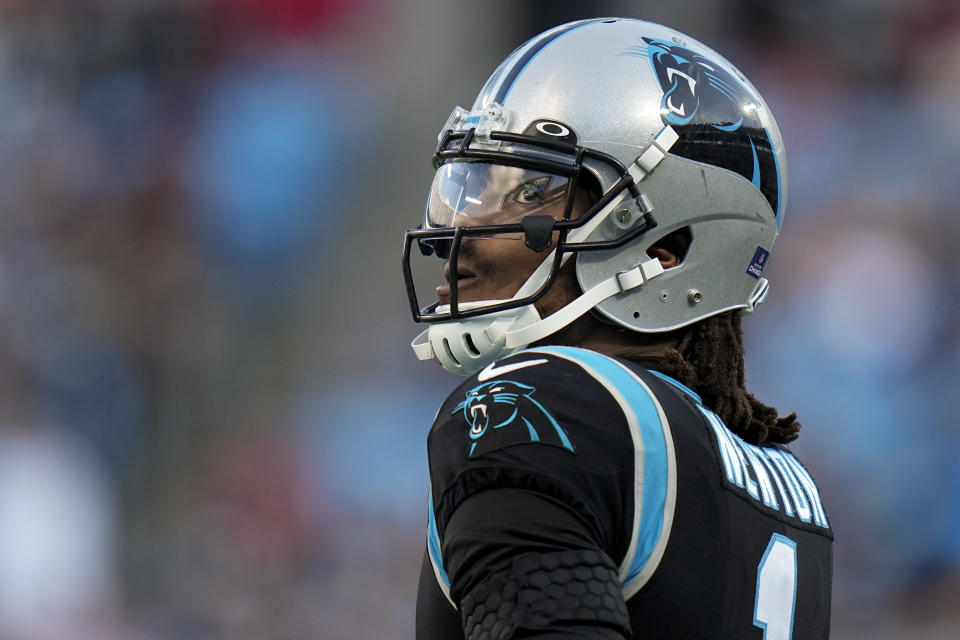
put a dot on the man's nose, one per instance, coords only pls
(464, 220)
(444, 247)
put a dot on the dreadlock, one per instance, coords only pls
(709, 360)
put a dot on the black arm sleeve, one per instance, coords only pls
(525, 565)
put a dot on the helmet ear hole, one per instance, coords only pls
(676, 242)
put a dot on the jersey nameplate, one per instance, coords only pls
(771, 476)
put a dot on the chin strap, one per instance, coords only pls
(619, 283)
(466, 346)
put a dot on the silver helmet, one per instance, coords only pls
(674, 139)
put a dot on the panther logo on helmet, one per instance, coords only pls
(711, 110)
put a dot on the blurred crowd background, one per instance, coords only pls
(211, 424)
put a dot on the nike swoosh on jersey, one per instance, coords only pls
(491, 371)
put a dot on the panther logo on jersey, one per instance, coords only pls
(705, 105)
(502, 413)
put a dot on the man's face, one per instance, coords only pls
(495, 267)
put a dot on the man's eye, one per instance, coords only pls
(528, 193)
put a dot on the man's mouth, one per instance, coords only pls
(465, 278)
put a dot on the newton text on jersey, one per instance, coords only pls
(770, 475)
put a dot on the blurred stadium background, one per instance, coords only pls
(211, 425)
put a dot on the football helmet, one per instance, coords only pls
(672, 138)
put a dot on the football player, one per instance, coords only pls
(604, 214)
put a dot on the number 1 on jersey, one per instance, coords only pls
(777, 589)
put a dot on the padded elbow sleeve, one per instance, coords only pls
(544, 590)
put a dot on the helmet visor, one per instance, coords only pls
(492, 194)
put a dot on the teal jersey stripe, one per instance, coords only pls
(679, 385)
(433, 544)
(655, 459)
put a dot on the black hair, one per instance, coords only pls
(709, 358)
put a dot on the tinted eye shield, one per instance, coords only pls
(522, 152)
(480, 193)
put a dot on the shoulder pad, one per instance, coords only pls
(606, 434)
(528, 397)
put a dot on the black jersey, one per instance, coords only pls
(574, 495)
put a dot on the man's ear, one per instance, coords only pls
(666, 257)
(672, 248)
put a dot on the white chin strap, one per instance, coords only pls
(465, 346)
